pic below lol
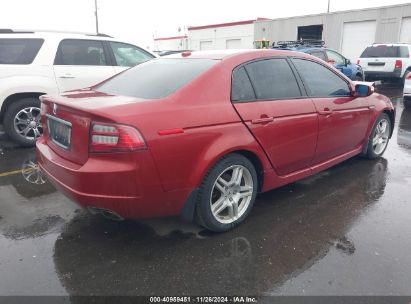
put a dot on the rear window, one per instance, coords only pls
(385, 51)
(156, 78)
(19, 51)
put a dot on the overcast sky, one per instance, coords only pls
(137, 21)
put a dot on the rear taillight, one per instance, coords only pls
(398, 64)
(107, 137)
(358, 61)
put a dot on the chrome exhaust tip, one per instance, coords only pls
(108, 214)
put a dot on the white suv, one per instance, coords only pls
(37, 63)
(386, 61)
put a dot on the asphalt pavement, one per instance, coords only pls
(345, 231)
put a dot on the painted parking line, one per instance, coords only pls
(10, 173)
(25, 171)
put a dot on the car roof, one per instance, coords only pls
(225, 54)
(8, 33)
(389, 44)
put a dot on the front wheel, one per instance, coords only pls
(227, 194)
(379, 138)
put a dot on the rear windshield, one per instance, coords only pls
(385, 51)
(19, 51)
(156, 78)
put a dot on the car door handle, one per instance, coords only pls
(262, 120)
(67, 76)
(326, 111)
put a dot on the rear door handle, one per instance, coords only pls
(67, 76)
(326, 111)
(262, 120)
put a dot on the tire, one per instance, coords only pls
(407, 103)
(215, 208)
(22, 121)
(379, 134)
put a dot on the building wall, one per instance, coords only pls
(388, 20)
(221, 37)
(167, 44)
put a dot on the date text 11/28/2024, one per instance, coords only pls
(206, 299)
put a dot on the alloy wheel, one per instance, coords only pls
(27, 123)
(381, 136)
(231, 194)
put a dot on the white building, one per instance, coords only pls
(170, 43)
(348, 32)
(234, 35)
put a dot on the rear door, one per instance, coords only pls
(343, 119)
(275, 108)
(81, 63)
(126, 55)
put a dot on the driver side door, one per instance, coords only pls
(339, 62)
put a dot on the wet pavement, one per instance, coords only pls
(345, 231)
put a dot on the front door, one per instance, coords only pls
(271, 102)
(343, 119)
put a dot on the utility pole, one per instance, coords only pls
(328, 9)
(96, 14)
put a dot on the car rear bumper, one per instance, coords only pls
(372, 75)
(127, 185)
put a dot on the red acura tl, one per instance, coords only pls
(200, 134)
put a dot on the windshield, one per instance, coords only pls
(385, 51)
(156, 78)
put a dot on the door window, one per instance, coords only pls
(273, 79)
(241, 86)
(81, 52)
(129, 55)
(335, 58)
(319, 54)
(321, 81)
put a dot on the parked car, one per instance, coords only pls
(386, 62)
(37, 63)
(200, 134)
(316, 48)
(407, 91)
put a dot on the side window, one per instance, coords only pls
(320, 81)
(333, 56)
(19, 51)
(273, 79)
(129, 55)
(241, 89)
(80, 52)
(319, 54)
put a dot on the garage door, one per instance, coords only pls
(233, 44)
(405, 34)
(206, 45)
(356, 37)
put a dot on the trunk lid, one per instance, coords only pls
(67, 119)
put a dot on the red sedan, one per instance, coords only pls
(200, 134)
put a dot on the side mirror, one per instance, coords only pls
(363, 90)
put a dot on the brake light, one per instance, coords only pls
(358, 61)
(398, 64)
(106, 137)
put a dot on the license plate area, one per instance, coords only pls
(59, 131)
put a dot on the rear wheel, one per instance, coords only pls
(379, 138)
(22, 121)
(227, 194)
